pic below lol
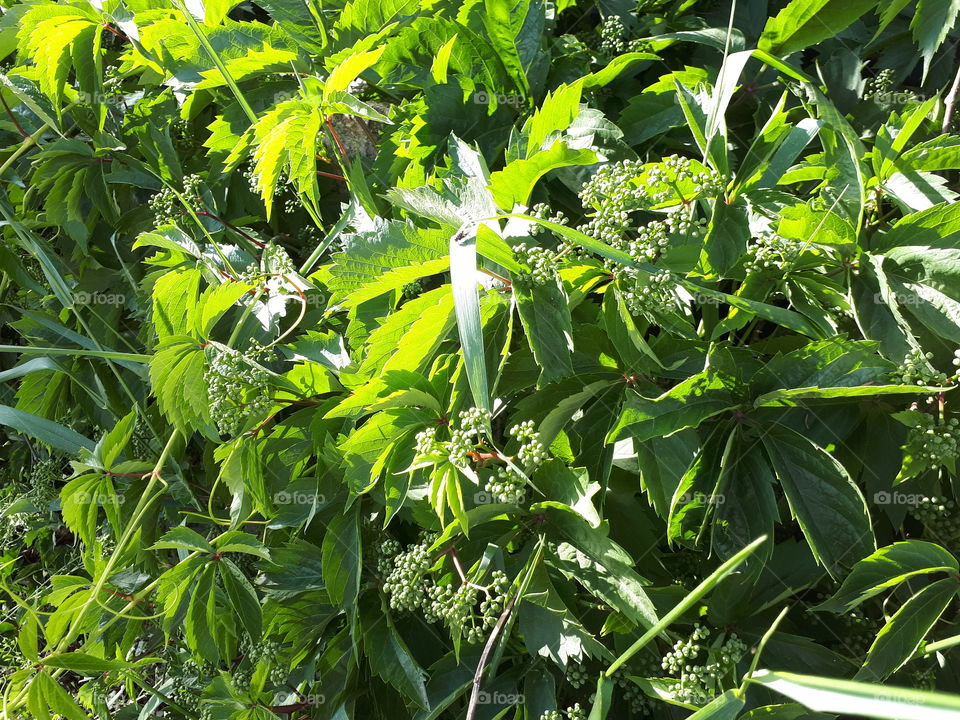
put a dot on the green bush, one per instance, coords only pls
(544, 360)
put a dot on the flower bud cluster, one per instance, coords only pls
(940, 518)
(700, 667)
(917, 370)
(771, 252)
(539, 265)
(935, 440)
(648, 295)
(411, 588)
(237, 389)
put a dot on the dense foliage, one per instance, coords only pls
(534, 359)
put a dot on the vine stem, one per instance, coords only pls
(27, 143)
(132, 527)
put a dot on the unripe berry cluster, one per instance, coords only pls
(578, 675)
(917, 370)
(939, 516)
(639, 703)
(410, 588)
(386, 550)
(879, 85)
(772, 252)
(532, 452)
(470, 425)
(857, 633)
(646, 294)
(164, 205)
(405, 583)
(613, 38)
(269, 653)
(574, 712)
(935, 440)
(237, 389)
(539, 265)
(700, 667)
(542, 211)
(507, 486)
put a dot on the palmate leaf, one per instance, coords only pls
(286, 142)
(58, 37)
(177, 378)
(828, 505)
(386, 257)
(905, 630)
(805, 22)
(888, 567)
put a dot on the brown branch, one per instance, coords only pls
(13, 118)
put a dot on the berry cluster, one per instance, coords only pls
(632, 695)
(574, 712)
(934, 440)
(648, 295)
(268, 653)
(506, 486)
(857, 633)
(189, 678)
(542, 211)
(164, 206)
(614, 194)
(613, 38)
(879, 85)
(700, 667)
(771, 252)
(578, 675)
(411, 588)
(675, 169)
(539, 265)
(471, 424)
(237, 388)
(917, 370)
(405, 583)
(940, 518)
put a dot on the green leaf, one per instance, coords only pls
(931, 23)
(201, 617)
(545, 315)
(389, 657)
(827, 503)
(466, 298)
(183, 538)
(887, 567)
(806, 22)
(46, 431)
(243, 597)
(513, 185)
(342, 557)
(685, 405)
(859, 698)
(901, 636)
(91, 665)
(241, 542)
